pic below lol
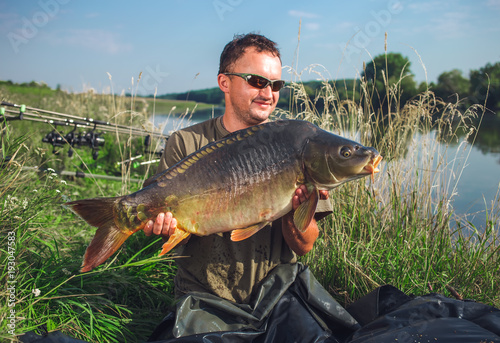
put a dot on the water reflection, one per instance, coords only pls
(488, 139)
(480, 180)
(170, 123)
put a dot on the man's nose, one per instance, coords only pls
(267, 92)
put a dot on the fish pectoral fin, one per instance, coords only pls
(305, 212)
(178, 236)
(241, 234)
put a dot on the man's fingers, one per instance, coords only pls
(169, 224)
(301, 195)
(158, 225)
(323, 195)
(148, 228)
(173, 223)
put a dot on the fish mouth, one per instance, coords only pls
(372, 167)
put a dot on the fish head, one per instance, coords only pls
(330, 160)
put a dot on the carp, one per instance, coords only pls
(240, 184)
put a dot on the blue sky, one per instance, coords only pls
(176, 44)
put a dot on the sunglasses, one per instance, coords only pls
(260, 82)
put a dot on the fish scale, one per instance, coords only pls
(237, 184)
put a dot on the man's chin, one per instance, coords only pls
(260, 118)
(261, 114)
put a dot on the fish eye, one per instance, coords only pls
(345, 152)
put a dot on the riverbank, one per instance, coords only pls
(397, 230)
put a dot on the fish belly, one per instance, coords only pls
(223, 211)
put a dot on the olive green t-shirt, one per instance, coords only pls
(214, 263)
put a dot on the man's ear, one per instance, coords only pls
(223, 81)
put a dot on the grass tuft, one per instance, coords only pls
(399, 230)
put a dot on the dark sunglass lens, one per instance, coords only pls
(277, 85)
(257, 81)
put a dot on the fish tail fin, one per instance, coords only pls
(108, 237)
(178, 236)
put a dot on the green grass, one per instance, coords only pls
(114, 304)
(399, 230)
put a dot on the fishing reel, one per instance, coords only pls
(91, 139)
(71, 139)
(55, 139)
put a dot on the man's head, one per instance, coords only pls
(236, 48)
(247, 103)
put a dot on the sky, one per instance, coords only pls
(175, 44)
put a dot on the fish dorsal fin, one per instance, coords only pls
(305, 212)
(181, 166)
(241, 234)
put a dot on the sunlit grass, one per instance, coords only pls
(113, 304)
(399, 230)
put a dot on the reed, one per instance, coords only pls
(42, 243)
(401, 229)
(398, 230)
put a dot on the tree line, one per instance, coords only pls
(386, 71)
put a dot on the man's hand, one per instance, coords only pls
(302, 195)
(301, 242)
(164, 225)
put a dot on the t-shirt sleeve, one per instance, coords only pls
(324, 208)
(175, 150)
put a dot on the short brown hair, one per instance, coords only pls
(236, 48)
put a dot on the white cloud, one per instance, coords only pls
(92, 15)
(94, 39)
(444, 19)
(494, 4)
(450, 25)
(424, 7)
(302, 14)
(9, 22)
(344, 25)
(312, 26)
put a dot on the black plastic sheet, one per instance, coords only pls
(293, 307)
(388, 315)
(290, 307)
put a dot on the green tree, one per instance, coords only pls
(452, 84)
(486, 82)
(391, 80)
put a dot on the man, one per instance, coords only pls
(246, 105)
(250, 77)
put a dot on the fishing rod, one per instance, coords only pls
(80, 174)
(91, 138)
(80, 124)
(23, 108)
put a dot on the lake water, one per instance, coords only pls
(477, 188)
(479, 185)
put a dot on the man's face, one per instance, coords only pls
(252, 105)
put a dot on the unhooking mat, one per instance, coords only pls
(293, 307)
